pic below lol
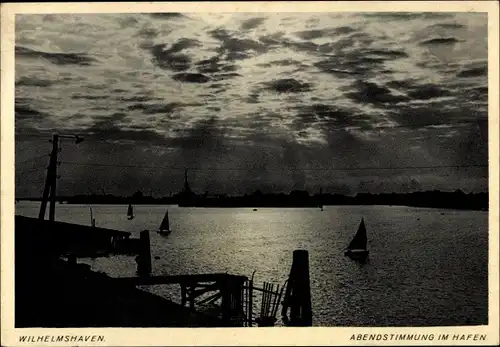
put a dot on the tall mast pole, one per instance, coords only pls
(55, 150)
(51, 179)
(50, 176)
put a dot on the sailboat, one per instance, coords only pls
(321, 199)
(357, 248)
(130, 212)
(165, 225)
(92, 219)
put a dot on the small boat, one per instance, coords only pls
(321, 199)
(255, 209)
(165, 225)
(130, 212)
(357, 248)
(92, 219)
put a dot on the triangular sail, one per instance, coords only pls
(360, 240)
(165, 224)
(130, 212)
(92, 219)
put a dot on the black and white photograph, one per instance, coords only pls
(252, 169)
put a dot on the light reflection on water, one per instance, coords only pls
(426, 267)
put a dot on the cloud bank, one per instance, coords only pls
(253, 101)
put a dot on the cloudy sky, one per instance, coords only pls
(343, 101)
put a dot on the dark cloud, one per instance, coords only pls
(26, 112)
(191, 77)
(288, 85)
(478, 93)
(253, 98)
(401, 84)
(33, 82)
(348, 44)
(169, 60)
(313, 34)
(328, 117)
(252, 23)
(183, 44)
(344, 30)
(215, 65)
(386, 54)
(428, 92)
(137, 98)
(234, 48)
(430, 113)
(166, 15)
(446, 26)
(110, 131)
(233, 56)
(81, 59)
(158, 108)
(272, 39)
(404, 16)
(372, 93)
(202, 135)
(474, 72)
(348, 150)
(225, 76)
(440, 41)
(283, 62)
(343, 66)
(148, 33)
(327, 32)
(359, 62)
(304, 46)
(471, 149)
(89, 97)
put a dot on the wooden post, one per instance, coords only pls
(183, 295)
(50, 181)
(224, 287)
(250, 303)
(191, 296)
(144, 261)
(298, 294)
(55, 150)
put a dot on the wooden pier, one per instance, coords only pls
(53, 290)
(46, 259)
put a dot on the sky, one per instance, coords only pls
(347, 102)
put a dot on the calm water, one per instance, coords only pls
(427, 266)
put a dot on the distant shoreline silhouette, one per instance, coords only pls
(297, 198)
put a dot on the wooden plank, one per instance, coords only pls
(210, 299)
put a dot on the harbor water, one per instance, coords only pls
(426, 267)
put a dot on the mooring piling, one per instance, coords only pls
(144, 266)
(298, 292)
